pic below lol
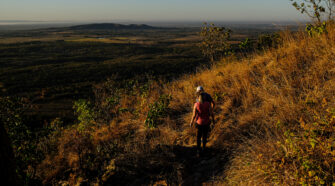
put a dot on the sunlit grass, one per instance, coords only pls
(260, 101)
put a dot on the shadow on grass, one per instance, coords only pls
(172, 165)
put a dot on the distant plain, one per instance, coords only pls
(56, 66)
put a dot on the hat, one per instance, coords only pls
(199, 88)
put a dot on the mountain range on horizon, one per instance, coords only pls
(26, 25)
(110, 26)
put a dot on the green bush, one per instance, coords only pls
(268, 41)
(246, 45)
(84, 111)
(157, 110)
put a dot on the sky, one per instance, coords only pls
(149, 10)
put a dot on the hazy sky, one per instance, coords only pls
(148, 10)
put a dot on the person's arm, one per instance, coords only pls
(213, 104)
(211, 100)
(212, 115)
(194, 115)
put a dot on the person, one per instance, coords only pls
(202, 111)
(207, 98)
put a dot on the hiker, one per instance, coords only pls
(202, 111)
(208, 97)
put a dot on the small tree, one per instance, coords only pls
(316, 9)
(214, 41)
(83, 109)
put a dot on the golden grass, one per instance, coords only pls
(252, 95)
(259, 92)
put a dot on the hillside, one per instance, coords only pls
(66, 65)
(275, 123)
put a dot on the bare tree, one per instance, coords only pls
(330, 4)
(316, 9)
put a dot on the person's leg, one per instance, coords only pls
(205, 131)
(199, 135)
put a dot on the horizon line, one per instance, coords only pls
(152, 21)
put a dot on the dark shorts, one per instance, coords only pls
(202, 133)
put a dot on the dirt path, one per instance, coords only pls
(202, 170)
(173, 165)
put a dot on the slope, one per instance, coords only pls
(253, 96)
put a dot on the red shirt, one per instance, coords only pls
(203, 113)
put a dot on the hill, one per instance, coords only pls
(275, 122)
(111, 26)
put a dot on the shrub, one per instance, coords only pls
(307, 153)
(246, 45)
(157, 110)
(85, 113)
(268, 41)
(214, 41)
(22, 138)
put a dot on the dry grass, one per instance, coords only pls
(256, 93)
(252, 95)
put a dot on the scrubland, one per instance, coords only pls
(275, 123)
